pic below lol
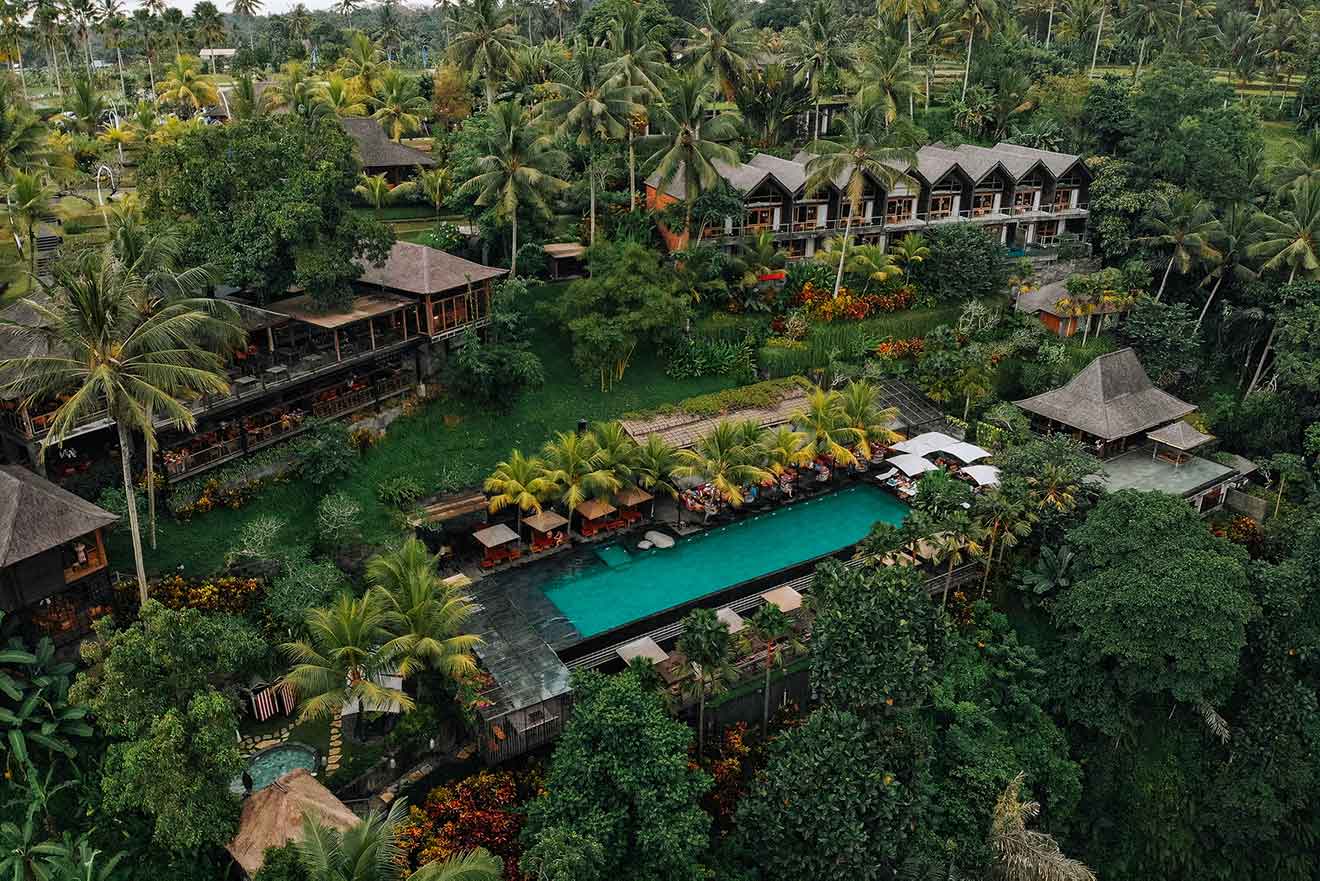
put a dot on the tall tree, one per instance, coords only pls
(209, 26)
(973, 18)
(247, 9)
(818, 48)
(399, 105)
(722, 46)
(516, 169)
(517, 482)
(1184, 224)
(707, 645)
(485, 43)
(1290, 238)
(638, 62)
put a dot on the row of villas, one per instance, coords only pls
(1020, 195)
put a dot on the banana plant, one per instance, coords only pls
(36, 711)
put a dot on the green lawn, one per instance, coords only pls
(1281, 139)
(423, 447)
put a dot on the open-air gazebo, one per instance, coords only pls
(493, 539)
(1180, 438)
(630, 498)
(543, 528)
(272, 817)
(593, 512)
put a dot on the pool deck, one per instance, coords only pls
(1137, 470)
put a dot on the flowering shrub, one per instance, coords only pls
(484, 810)
(896, 349)
(821, 304)
(1244, 531)
(226, 593)
(216, 495)
(732, 770)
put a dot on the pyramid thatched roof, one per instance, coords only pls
(272, 817)
(36, 515)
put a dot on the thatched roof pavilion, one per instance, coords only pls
(272, 817)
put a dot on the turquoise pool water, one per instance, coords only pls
(629, 584)
(271, 764)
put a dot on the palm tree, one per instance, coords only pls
(1009, 517)
(756, 258)
(174, 23)
(338, 96)
(340, 661)
(86, 104)
(706, 643)
(370, 851)
(910, 250)
(1053, 488)
(1230, 239)
(974, 18)
(516, 170)
(82, 15)
(885, 76)
(346, 8)
(722, 46)
(293, 90)
(908, 11)
(615, 460)
(425, 614)
(299, 22)
(785, 449)
(1237, 38)
(23, 137)
(209, 26)
(244, 101)
(377, 191)
(388, 30)
(567, 458)
(1021, 854)
(958, 538)
(689, 140)
(816, 47)
(435, 184)
(590, 105)
(827, 428)
(862, 411)
(1292, 239)
(1302, 164)
(1183, 223)
(485, 42)
(118, 135)
(12, 32)
(113, 27)
(864, 150)
(247, 9)
(771, 629)
(1144, 19)
(399, 105)
(517, 481)
(104, 354)
(361, 63)
(639, 62)
(185, 87)
(656, 460)
(145, 23)
(29, 197)
(725, 460)
(872, 263)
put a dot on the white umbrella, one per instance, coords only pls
(911, 464)
(984, 475)
(965, 452)
(925, 443)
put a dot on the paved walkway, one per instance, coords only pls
(254, 743)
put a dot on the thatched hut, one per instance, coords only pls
(272, 817)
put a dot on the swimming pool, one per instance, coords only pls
(271, 764)
(625, 584)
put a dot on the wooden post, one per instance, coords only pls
(371, 332)
(336, 333)
(430, 317)
(270, 339)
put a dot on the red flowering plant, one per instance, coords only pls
(901, 348)
(821, 304)
(486, 810)
(732, 769)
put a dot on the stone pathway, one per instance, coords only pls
(257, 742)
(336, 745)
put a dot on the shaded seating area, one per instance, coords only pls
(499, 543)
(594, 517)
(630, 499)
(546, 530)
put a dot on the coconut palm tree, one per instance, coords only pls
(1009, 518)
(1302, 164)
(707, 644)
(185, 87)
(361, 63)
(785, 449)
(1230, 239)
(485, 42)
(860, 403)
(113, 28)
(516, 169)
(722, 45)
(144, 22)
(30, 197)
(370, 851)
(247, 9)
(973, 18)
(337, 96)
(655, 465)
(908, 251)
(959, 538)
(772, 631)
(872, 264)
(293, 90)
(209, 25)
(1290, 238)
(173, 22)
(864, 150)
(615, 459)
(118, 135)
(299, 22)
(1183, 224)
(340, 661)
(377, 191)
(346, 8)
(639, 62)
(756, 258)
(568, 471)
(825, 423)
(885, 77)
(517, 481)
(435, 184)
(690, 137)
(86, 104)
(399, 105)
(1021, 854)
(105, 356)
(909, 11)
(590, 105)
(425, 615)
(725, 460)
(817, 47)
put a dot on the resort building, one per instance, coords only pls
(1050, 304)
(1021, 196)
(379, 154)
(299, 364)
(1137, 430)
(53, 570)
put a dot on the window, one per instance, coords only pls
(797, 248)
(1024, 200)
(760, 218)
(804, 217)
(1063, 198)
(900, 208)
(941, 205)
(982, 204)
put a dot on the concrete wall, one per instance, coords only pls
(1245, 503)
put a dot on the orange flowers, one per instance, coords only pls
(822, 305)
(227, 593)
(896, 349)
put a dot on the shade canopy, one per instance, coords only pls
(965, 452)
(494, 536)
(731, 619)
(786, 598)
(594, 509)
(450, 507)
(984, 475)
(545, 521)
(926, 443)
(632, 495)
(1181, 436)
(911, 464)
(646, 647)
(272, 817)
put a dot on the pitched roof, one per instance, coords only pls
(272, 817)
(1180, 435)
(418, 269)
(378, 151)
(683, 429)
(1058, 164)
(15, 344)
(303, 308)
(1112, 397)
(790, 173)
(36, 515)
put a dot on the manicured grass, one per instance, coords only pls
(423, 447)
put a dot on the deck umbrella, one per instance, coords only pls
(924, 444)
(965, 452)
(911, 464)
(984, 475)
